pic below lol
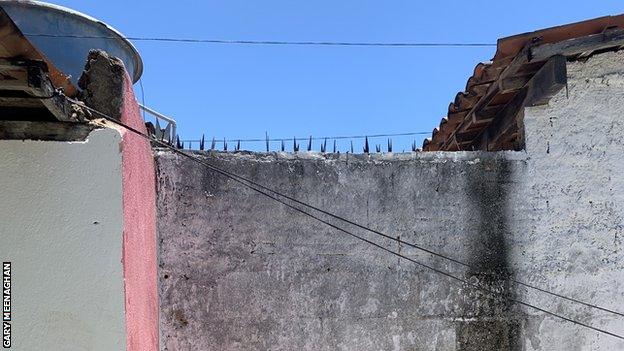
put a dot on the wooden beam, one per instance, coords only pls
(608, 39)
(514, 83)
(30, 79)
(58, 106)
(510, 70)
(20, 102)
(551, 78)
(479, 88)
(465, 101)
(501, 125)
(507, 85)
(516, 63)
(40, 130)
(464, 137)
(489, 112)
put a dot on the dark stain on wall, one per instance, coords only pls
(493, 324)
(243, 272)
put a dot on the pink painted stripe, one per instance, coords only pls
(139, 231)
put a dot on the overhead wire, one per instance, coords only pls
(252, 185)
(400, 241)
(265, 42)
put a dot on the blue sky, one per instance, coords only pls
(243, 91)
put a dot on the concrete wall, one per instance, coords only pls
(241, 272)
(61, 227)
(573, 194)
(80, 230)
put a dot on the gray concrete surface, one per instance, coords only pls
(241, 272)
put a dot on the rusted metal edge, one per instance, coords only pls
(14, 45)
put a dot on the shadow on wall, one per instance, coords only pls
(491, 323)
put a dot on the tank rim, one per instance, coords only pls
(137, 57)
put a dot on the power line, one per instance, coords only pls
(315, 138)
(421, 248)
(429, 251)
(250, 184)
(264, 42)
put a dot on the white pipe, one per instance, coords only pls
(164, 118)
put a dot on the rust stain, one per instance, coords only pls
(14, 45)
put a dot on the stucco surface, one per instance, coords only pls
(569, 212)
(139, 207)
(241, 272)
(61, 226)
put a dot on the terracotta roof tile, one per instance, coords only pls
(460, 124)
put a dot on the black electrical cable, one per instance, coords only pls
(418, 247)
(431, 252)
(237, 179)
(421, 248)
(263, 42)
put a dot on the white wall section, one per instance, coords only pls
(61, 227)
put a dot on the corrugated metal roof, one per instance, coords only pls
(477, 106)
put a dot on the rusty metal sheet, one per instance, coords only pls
(14, 45)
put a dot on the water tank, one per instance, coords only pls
(60, 34)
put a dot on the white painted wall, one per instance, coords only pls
(569, 212)
(61, 226)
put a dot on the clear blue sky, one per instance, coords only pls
(237, 91)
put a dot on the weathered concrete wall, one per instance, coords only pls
(61, 227)
(241, 272)
(262, 277)
(569, 213)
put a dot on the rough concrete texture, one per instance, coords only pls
(241, 272)
(102, 83)
(61, 223)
